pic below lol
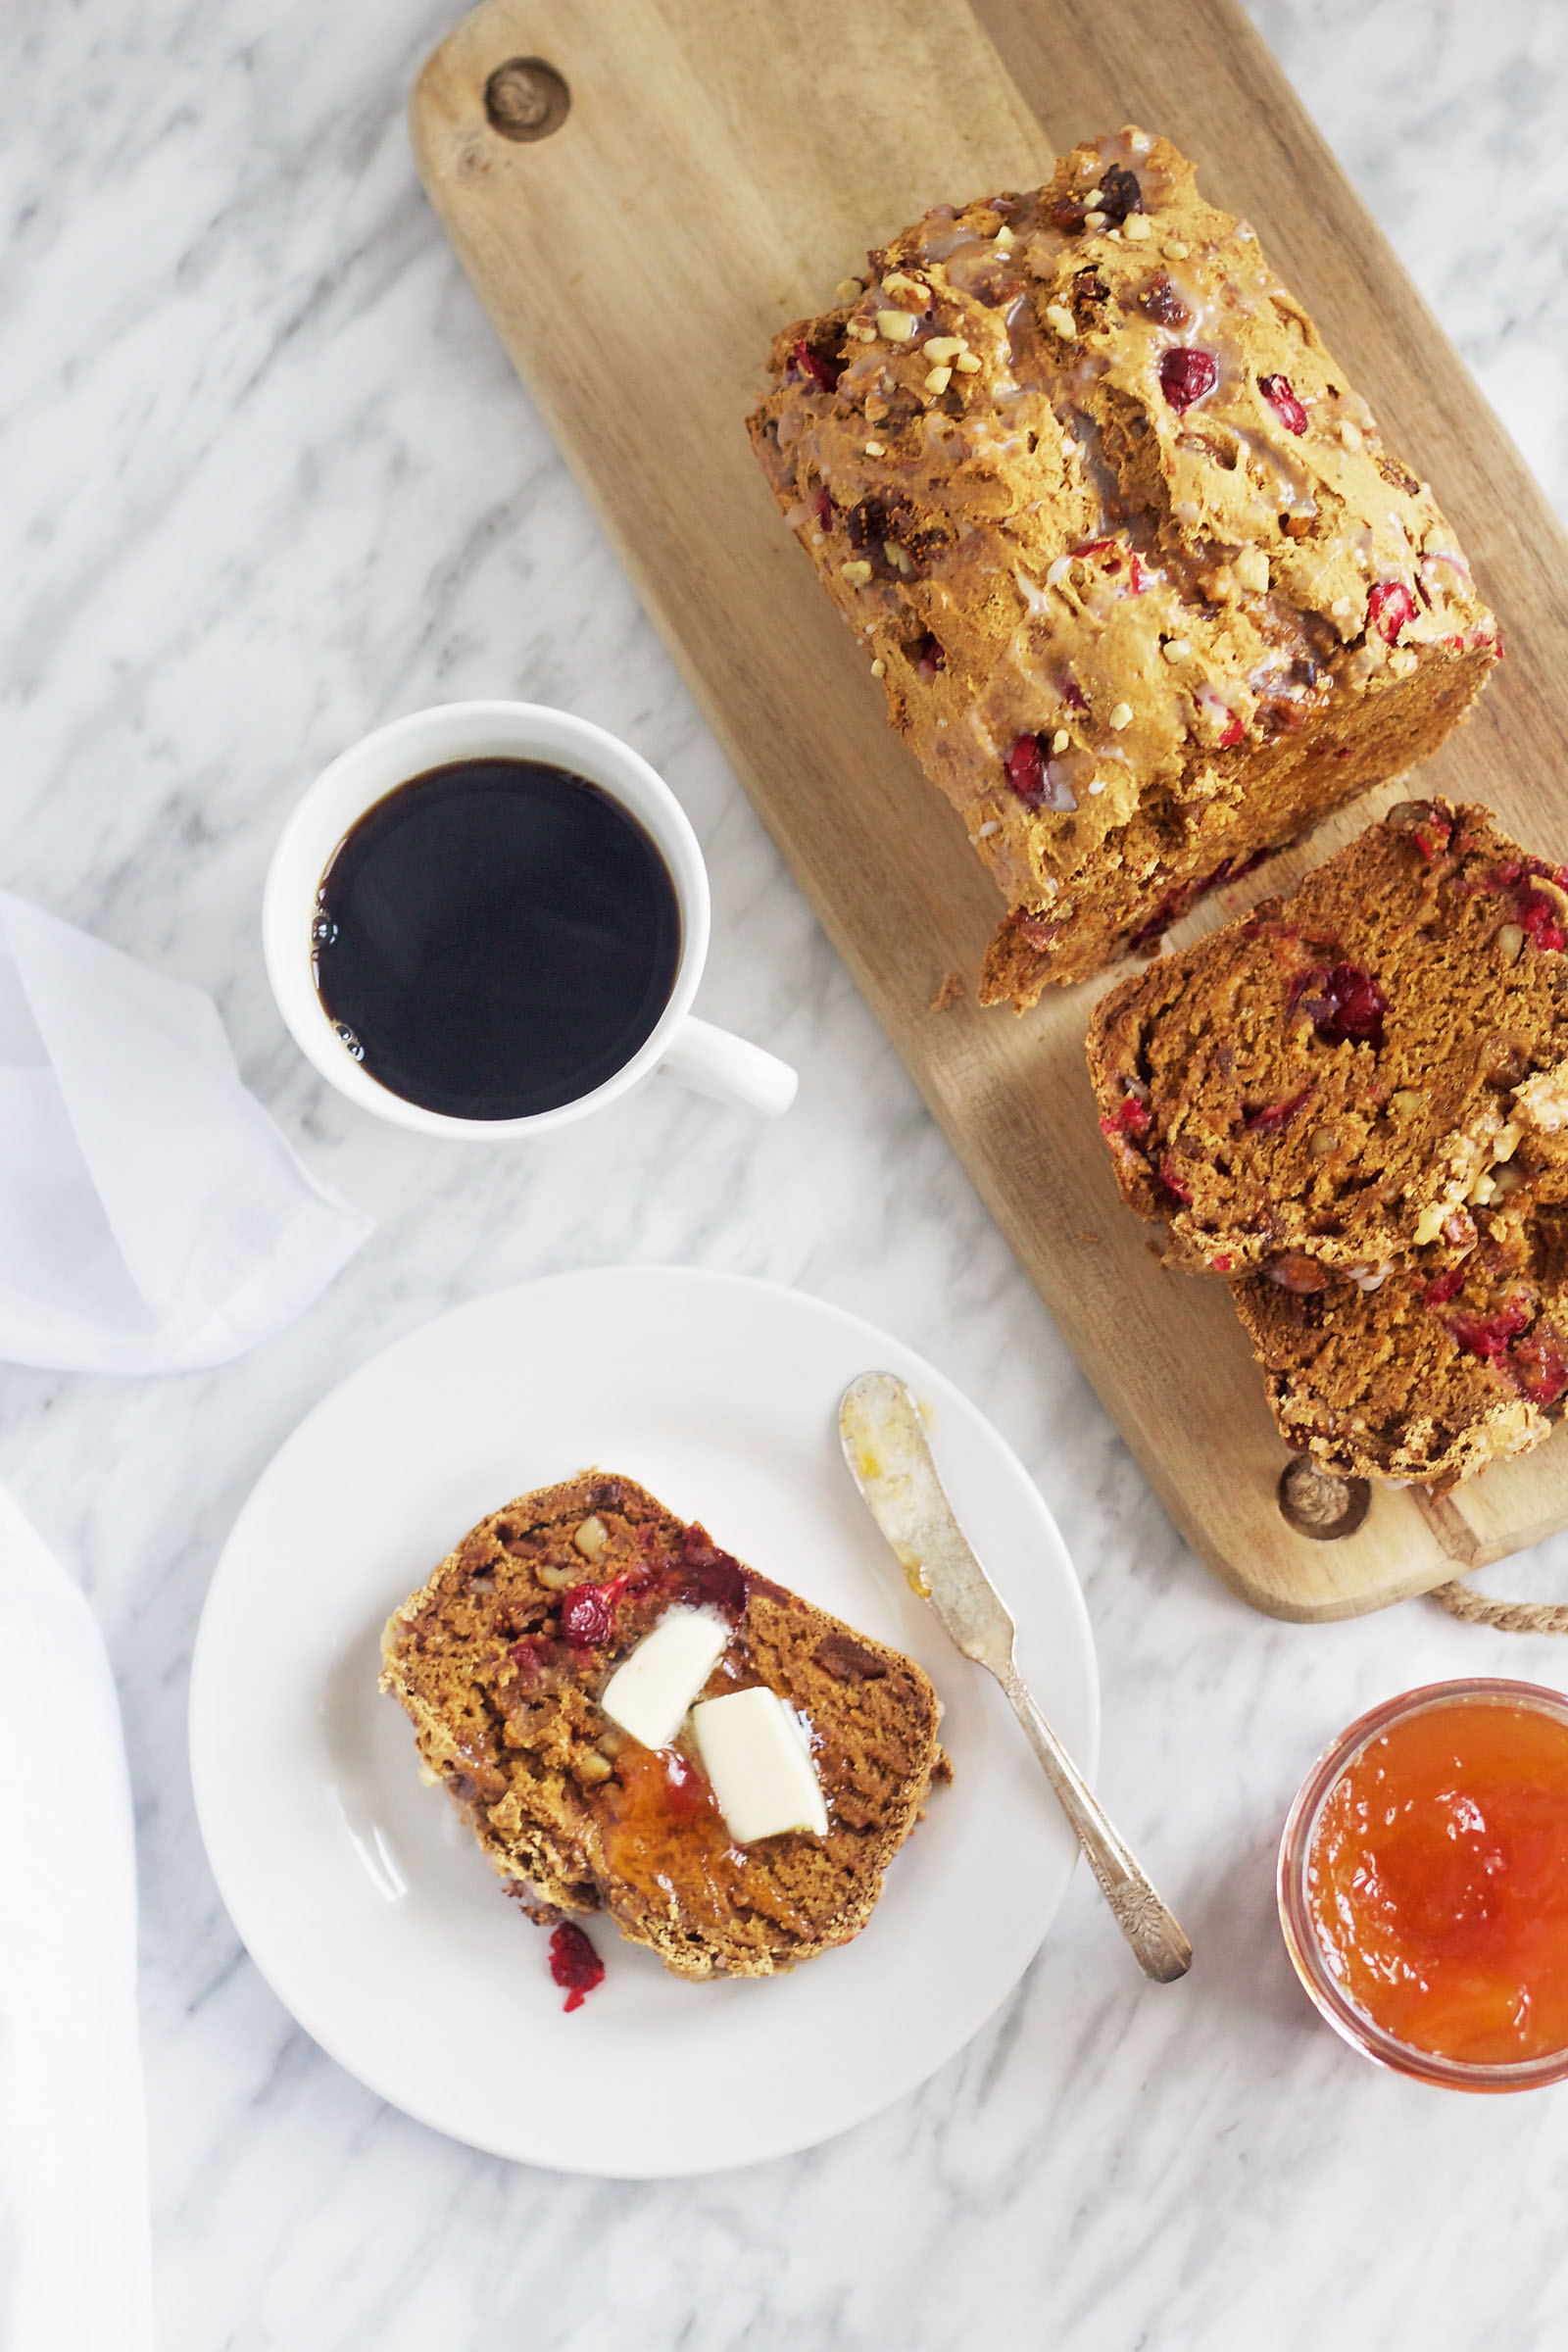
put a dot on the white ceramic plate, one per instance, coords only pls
(363, 1902)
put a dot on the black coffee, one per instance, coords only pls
(496, 938)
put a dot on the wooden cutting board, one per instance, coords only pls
(701, 171)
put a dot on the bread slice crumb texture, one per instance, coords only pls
(1433, 1375)
(1348, 1079)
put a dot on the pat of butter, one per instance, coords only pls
(761, 1772)
(649, 1693)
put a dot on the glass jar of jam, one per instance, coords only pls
(1423, 1884)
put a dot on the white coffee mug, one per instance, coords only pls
(703, 1057)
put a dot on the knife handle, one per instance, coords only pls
(1161, 1949)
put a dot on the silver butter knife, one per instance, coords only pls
(884, 1446)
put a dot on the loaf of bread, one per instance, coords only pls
(1429, 1377)
(1147, 590)
(1343, 1080)
(501, 1661)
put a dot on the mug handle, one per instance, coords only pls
(710, 1061)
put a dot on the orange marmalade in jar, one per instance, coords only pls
(1423, 1884)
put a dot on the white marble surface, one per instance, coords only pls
(266, 480)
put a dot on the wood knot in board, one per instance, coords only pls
(1318, 1504)
(526, 99)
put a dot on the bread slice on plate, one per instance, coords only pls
(504, 1662)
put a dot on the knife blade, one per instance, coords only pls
(885, 1444)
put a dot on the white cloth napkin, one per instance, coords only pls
(74, 2256)
(151, 1218)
